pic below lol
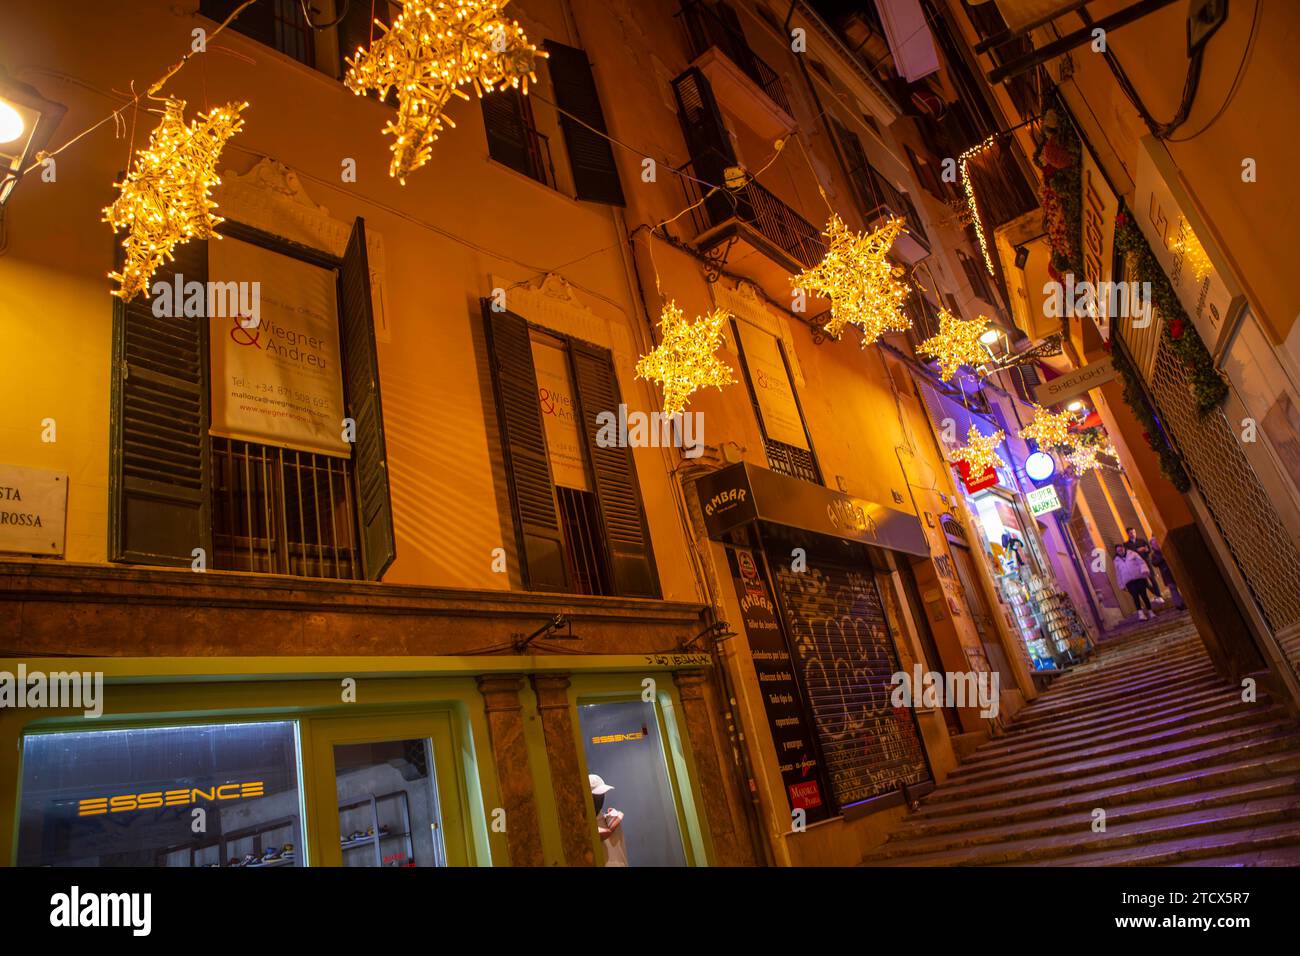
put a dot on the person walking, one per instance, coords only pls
(1144, 549)
(1135, 577)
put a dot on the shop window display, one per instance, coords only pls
(206, 795)
(636, 811)
(388, 804)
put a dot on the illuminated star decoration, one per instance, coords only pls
(1189, 247)
(165, 199)
(862, 284)
(979, 452)
(1083, 459)
(957, 344)
(684, 360)
(433, 48)
(1049, 430)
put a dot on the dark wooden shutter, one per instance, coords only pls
(595, 176)
(709, 144)
(528, 469)
(258, 21)
(507, 129)
(617, 491)
(361, 390)
(159, 477)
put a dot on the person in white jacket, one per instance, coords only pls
(1134, 576)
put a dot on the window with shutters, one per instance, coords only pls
(576, 504)
(245, 502)
(513, 138)
(776, 405)
(279, 24)
(978, 278)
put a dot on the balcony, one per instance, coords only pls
(748, 85)
(759, 236)
(880, 201)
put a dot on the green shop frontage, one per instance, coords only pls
(465, 728)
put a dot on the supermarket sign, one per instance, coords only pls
(1043, 500)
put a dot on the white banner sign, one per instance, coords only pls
(33, 510)
(277, 381)
(1099, 207)
(564, 444)
(1072, 384)
(781, 419)
(1043, 500)
(1173, 230)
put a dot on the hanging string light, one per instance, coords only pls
(969, 188)
(957, 343)
(685, 359)
(1049, 430)
(980, 451)
(864, 286)
(433, 48)
(165, 199)
(1186, 244)
(1083, 459)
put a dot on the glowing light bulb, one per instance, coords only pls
(11, 123)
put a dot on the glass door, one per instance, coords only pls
(387, 791)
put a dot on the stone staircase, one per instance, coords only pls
(1186, 773)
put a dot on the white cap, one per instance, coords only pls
(598, 786)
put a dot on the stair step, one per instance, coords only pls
(1184, 827)
(1200, 851)
(1138, 758)
(932, 806)
(1118, 700)
(1014, 752)
(1115, 748)
(1077, 821)
(1270, 766)
(1189, 704)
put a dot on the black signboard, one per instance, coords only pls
(741, 493)
(795, 751)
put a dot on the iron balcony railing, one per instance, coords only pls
(751, 204)
(880, 199)
(717, 26)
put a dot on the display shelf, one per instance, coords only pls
(375, 839)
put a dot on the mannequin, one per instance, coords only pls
(609, 823)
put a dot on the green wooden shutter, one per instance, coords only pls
(528, 469)
(159, 477)
(617, 491)
(595, 175)
(361, 388)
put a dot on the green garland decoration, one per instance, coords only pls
(1171, 465)
(1059, 161)
(1208, 386)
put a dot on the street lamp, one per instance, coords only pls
(27, 121)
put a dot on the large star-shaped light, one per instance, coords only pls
(864, 286)
(1048, 429)
(1083, 459)
(685, 358)
(980, 451)
(433, 48)
(957, 343)
(165, 200)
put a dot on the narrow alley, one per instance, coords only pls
(1184, 770)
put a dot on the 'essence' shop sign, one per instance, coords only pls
(33, 510)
